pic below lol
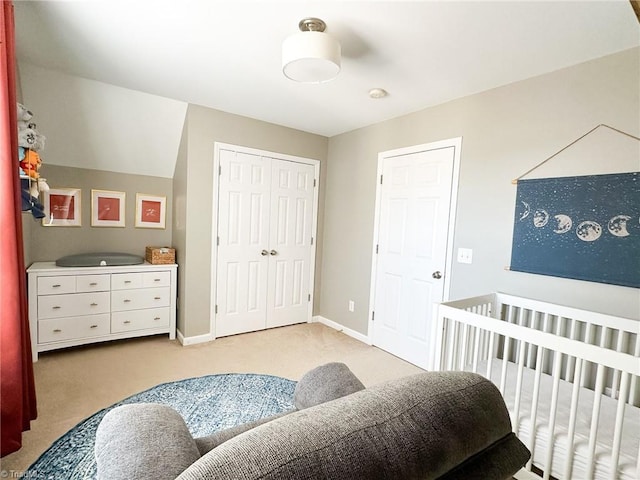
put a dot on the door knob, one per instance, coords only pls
(437, 275)
(273, 252)
(264, 253)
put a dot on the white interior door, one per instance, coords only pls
(290, 242)
(243, 242)
(415, 198)
(266, 219)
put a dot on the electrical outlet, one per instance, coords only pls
(352, 305)
(465, 255)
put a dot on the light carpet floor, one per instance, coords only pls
(72, 384)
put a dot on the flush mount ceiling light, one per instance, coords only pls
(311, 56)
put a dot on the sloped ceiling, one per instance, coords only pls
(227, 54)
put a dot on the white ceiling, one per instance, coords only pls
(227, 54)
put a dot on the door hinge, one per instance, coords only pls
(381, 179)
(216, 311)
(218, 241)
(377, 249)
(309, 297)
(373, 316)
(219, 169)
(311, 240)
(314, 182)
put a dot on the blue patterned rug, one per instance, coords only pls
(207, 404)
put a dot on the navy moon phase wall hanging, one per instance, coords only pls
(585, 228)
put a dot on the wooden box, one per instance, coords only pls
(160, 255)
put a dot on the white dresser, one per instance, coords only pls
(75, 306)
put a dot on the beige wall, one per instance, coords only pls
(51, 243)
(180, 219)
(195, 188)
(505, 131)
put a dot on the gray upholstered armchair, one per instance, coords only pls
(434, 425)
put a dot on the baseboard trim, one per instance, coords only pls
(341, 328)
(185, 341)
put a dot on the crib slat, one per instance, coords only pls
(505, 360)
(476, 349)
(530, 349)
(615, 380)
(452, 346)
(571, 360)
(573, 415)
(534, 403)
(617, 434)
(595, 417)
(462, 356)
(588, 340)
(516, 407)
(492, 355)
(633, 388)
(553, 410)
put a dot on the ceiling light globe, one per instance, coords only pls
(311, 57)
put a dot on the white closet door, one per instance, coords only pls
(291, 223)
(243, 231)
(413, 229)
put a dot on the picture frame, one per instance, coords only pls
(107, 208)
(150, 211)
(62, 207)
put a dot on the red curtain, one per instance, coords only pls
(17, 388)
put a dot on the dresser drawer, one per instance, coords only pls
(56, 285)
(156, 279)
(93, 283)
(73, 305)
(140, 298)
(139, 319)
(71, 328)
(123, 281)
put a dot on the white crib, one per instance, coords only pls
(569, 378)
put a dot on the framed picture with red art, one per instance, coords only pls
(62, 207)
(107, 208)
(150, 211)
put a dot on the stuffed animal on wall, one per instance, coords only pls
(30, 142)
(30, 138)
(24, 116)
(30, 164)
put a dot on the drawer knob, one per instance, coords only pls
(93, 284)
(57, 330)
(156, 318)
(157, 298)
(57, 285)
(127, 281)
(93, 326)
(126, 300)
(56, 307)
(94, 304)
(156, 279)
(127, 321)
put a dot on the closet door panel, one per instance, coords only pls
(290, 242)
(243, 231)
